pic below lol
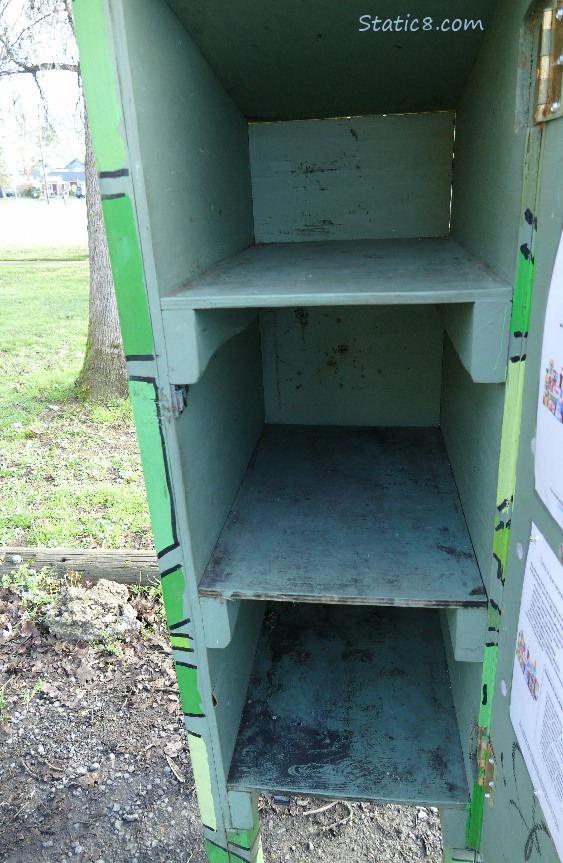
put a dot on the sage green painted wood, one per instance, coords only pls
(465, 684)
(229, 673)
(509, 831)
(193, 145)
(352, 178)
(217, 433)
(468, 632)
(471, 419)
(480, 334)
(351, 703)
(453, 823)
(347, 515)
(243, 806)
(296, 59)
(367, 272)
(490, 142)
(219, 618)
(193, 337)
(373, 366)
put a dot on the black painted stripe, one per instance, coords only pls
(114, 196)
(491, 644)
(183, 649)
(139, 358)
(182, 635)
(495, 606)
(195, 734)
(238, 856)
(143, 380)
(236, 845)
(171, 570)
(195, 716)
(174, 626)
(168, 548)
(186, 665)
(111, 175)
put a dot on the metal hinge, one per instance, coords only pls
(486, 765)
(549, 96)
(179, 399)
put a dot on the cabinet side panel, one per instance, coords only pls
(352, 177)
(217, 433)
(193, 145)
(471, 418)
(490, 142)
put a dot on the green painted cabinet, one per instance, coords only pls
(322, 225)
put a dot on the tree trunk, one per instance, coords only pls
(103, 375)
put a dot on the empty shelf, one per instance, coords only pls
(340, 514)
(368, 272)
(351, 703)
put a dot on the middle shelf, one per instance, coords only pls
(347, 515)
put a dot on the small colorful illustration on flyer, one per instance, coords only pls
(552, 394)
(529, 667)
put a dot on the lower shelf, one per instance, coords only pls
(356, 515)
(353, 703)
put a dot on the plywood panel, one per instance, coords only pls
(352, 178)
(361, 272)
(351, 703)
(471, 424)
(217, 433)
(364, 516)
(316, 59)
(193, 145)
(374, 366)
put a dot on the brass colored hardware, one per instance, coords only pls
(486, 764)
(549, 98)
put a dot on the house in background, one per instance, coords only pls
(67, 181)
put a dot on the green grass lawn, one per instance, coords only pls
(70, 472)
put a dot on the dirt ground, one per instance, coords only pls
(94, 767)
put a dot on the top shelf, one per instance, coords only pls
(353, 272)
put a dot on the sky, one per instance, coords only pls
(63, 101)
(20, 103)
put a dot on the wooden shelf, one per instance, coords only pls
(475, 303)
(351, 703)
(347, 515)
(354, 272)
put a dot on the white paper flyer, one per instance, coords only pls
(536, 704)
(549, 432)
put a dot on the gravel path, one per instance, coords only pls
(94, 765)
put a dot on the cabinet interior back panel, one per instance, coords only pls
(352, 177)
(353, 366)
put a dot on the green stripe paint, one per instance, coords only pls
(154, 461)
(202, 776)
(128, 275)
(216, 854)
(510, 438)
(189, 693)
(177, 641)
(97, 71)
(173, 587)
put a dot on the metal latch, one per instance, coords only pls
(179, 399)
(486, 763)
(549, 99)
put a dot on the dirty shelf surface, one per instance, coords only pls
(350, 272)
(351, 703)
(345, 514)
